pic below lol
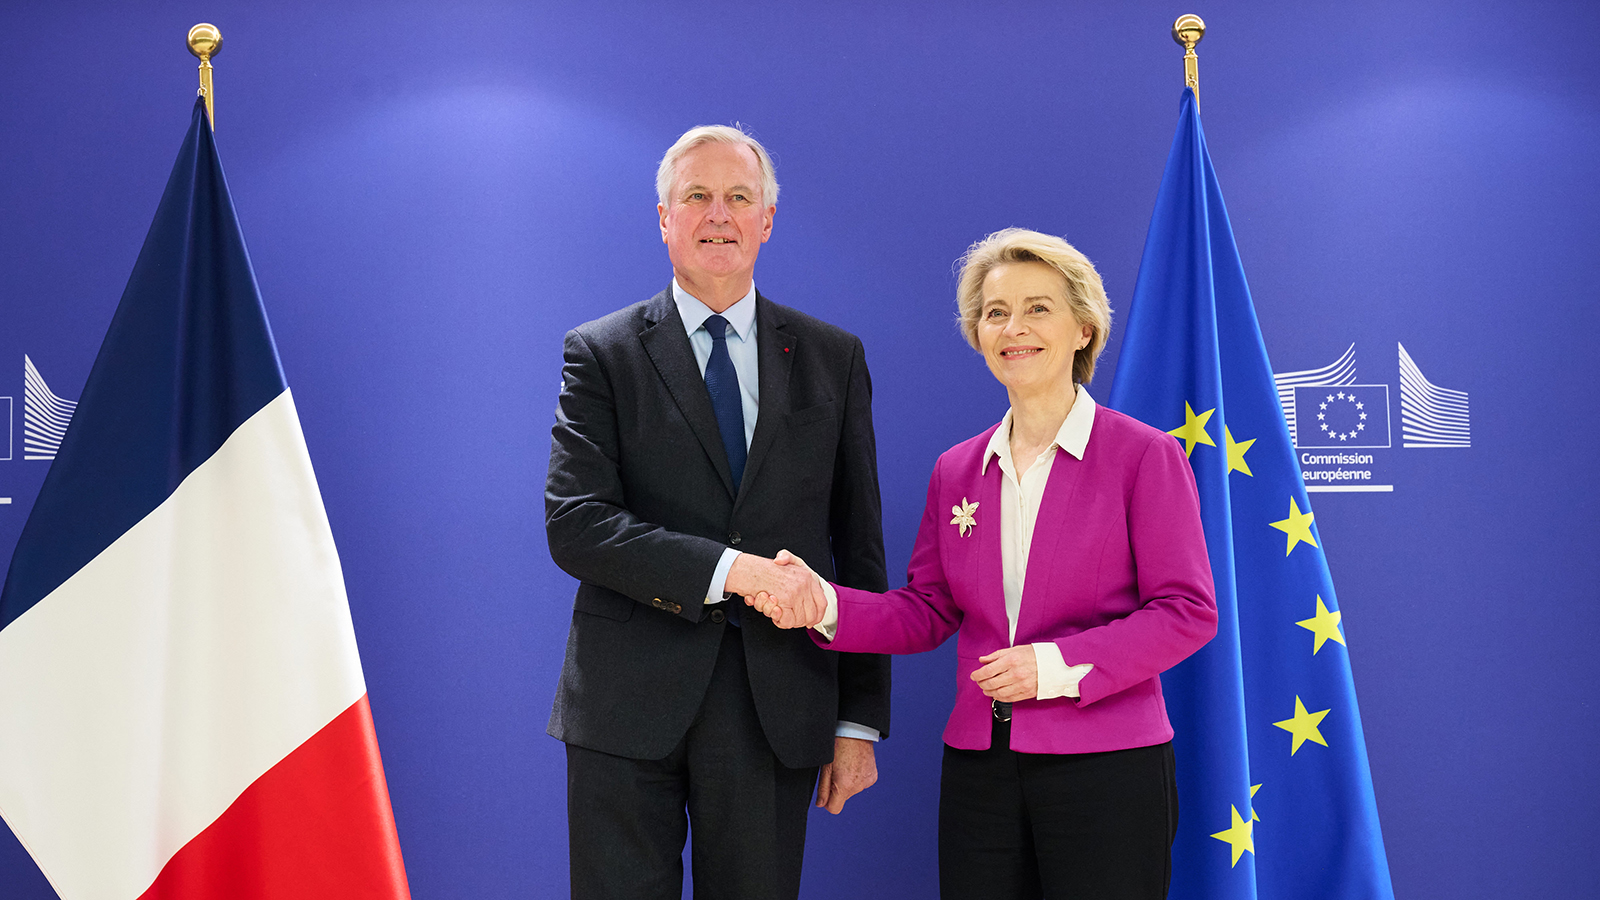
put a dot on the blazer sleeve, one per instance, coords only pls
(913, 619)
(593, 535)
(1177, 611)
(856, 526)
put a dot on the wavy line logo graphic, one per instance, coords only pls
(44, 415)
(1430, 416)
(1340, 372)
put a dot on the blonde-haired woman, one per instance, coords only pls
(1064, 546)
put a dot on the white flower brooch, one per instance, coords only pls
(964, 517)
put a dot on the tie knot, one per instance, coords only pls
(717, 327)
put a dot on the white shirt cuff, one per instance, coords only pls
(830, 619)
(1056, 678)
(719, 576)
(859, 732)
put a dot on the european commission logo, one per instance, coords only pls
(1332, 419)
(44, 419)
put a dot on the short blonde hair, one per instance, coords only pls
(718, 134)
(1086, 295)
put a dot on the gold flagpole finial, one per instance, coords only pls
(205, 41)
(1188, 31)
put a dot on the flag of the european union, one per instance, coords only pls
(1342, 415)
(1276, 794)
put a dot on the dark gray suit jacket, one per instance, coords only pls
(640, 504)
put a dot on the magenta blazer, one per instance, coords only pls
(1117, 576)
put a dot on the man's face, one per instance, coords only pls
(716, 219)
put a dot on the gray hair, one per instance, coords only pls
(1086, 295)
(721, 134)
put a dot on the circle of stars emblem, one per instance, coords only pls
(1346, 411)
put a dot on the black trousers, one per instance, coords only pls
(1083, 826)
(627, 819)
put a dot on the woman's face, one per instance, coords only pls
(1027, 331)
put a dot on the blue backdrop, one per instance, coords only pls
(433, 197)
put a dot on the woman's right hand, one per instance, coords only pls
(1009, 675)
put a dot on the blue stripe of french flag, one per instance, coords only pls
(182, 708)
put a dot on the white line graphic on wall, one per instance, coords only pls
(1430, 416)
(44, 415)
(1340, 372)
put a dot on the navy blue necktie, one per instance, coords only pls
(722, 382)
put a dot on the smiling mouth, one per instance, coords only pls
(718, 240)
(1019, 352)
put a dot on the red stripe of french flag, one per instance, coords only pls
(316, 825)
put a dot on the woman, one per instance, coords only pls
(1064, 545)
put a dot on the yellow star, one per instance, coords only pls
(1325, 625)
(1240, 836)
(1297, 527)
(1253, 789)
(1303, 726)
(1236, 451)
(1193, 429)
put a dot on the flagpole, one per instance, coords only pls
(1188, 31)
(205, 41)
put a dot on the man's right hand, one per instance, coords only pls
(786, 592)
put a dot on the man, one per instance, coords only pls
(699, 433)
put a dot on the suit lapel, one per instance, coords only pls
(775, 357)
(667, 345)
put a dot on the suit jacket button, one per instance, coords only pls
(718, 617)
(734, 537)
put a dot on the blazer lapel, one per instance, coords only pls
(991, 580)
(667, 345)
(1049, 530)
(775, 357)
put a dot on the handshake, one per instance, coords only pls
(783, 589)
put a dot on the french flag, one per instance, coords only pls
(182, 709)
